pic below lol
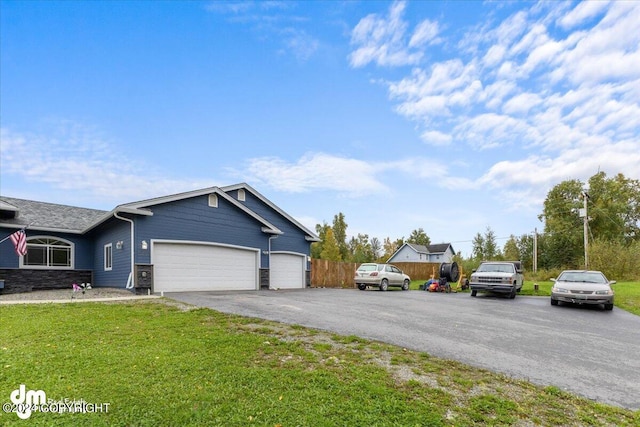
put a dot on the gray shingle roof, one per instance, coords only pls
(49, 215)
(439, 248)
(419, 248)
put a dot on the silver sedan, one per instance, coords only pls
(381, 276)
(582, 287)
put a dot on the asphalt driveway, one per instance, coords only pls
(585, 350)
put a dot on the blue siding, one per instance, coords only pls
(194, 220)
(292, 238)
(112, 231)
(187, 220)
(8, 256)
(83, 247)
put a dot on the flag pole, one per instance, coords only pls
(22, 229)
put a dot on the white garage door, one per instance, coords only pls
(202, 267)
(287, 271)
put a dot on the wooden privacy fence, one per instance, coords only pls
(335, 274)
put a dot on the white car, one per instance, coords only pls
(381, 276)
(582, 287)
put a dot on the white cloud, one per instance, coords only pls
(271, 19)
(383, 39)
(495, 93)
(492, 130)
(494, 55)
(536, 174)
(522, 103)
(425, 94)
(317, 171)
(78, 159)
(347, 177)
(425, 33)
(435, 137)
(299, 43)
(564, 102)
(582, 12)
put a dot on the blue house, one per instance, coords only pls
(217, 238)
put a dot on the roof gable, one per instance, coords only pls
(311, 236)
(146, 204)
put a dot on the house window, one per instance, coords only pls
(48, 252)
(241, 196)
(213, 200)
(108, 257)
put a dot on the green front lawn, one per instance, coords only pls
(161, 365)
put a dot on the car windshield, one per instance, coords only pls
(582, 276)
(368, 267)
(495, 268)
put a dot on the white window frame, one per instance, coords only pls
(213, 200)
(108, 257)
(66, 244)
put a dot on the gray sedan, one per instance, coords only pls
(582, 287)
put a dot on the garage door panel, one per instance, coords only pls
(287, 271)
(203, 267)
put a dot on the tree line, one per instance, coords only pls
(613, 209)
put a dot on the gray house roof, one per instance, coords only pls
(440, 248)
(19, 213)
(421, 249)
(47, 216)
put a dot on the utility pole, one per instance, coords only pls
(535, 250)
(585, 216)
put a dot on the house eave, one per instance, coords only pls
(117, 210)
(47, 229)
(271, 231)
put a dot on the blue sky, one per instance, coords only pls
(447, 116)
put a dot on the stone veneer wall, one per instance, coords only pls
(26, 280)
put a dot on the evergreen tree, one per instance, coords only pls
(419, 237)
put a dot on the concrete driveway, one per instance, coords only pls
(585, 350)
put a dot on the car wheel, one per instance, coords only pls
(474, 293)
(608, 306)
(554, 301)
(512, 295)
(384, 285)
(362, 286)
(405, 285)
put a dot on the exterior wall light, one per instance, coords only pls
(145, 245)
(119, 244)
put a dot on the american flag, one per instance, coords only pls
(19, 239)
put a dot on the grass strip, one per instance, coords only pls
(158, 364)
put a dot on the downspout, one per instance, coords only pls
(274, 236)
(130, 279)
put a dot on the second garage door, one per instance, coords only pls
(203, 267)
(287, 271)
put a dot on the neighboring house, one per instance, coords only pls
(410, 252)
(218, 238)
